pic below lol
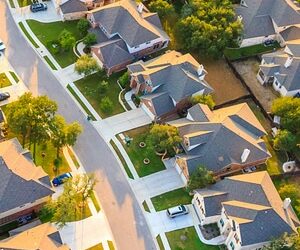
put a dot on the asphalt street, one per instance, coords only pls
(124, 214)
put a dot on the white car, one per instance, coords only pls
(177, 211)
(2, 46)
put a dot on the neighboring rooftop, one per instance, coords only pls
(257, 16)
(123, 18)
(21, 181)
(220, 138)
(173, 77)
(73, 6)
(43, 237)
(253, 202)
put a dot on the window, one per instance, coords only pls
(148, 42)
(236, 237)
(232, 245)
(222, 222)
(137, 46)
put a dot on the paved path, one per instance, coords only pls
(122, 122)
(127, 221)
(128, 99)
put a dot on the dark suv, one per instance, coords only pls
(35, 7)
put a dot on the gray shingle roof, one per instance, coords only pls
(73, 6)
(291, 33)
(258, 14)
(252, 201)
(118, 19)
(226, 135)
(287, 76)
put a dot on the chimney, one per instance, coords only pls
(245, 155)
(288, 61)
(286, 203)
(140, 8)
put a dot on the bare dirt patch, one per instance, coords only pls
(248, 69)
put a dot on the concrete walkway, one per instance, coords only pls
(128, 99)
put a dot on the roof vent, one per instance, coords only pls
(245, 155)
(286, 203)
(288, 61)
(201, 72)
(140, 8)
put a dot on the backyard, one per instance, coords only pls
(176, 197)
(48, 33)
(4, 81)
(187, 238)
(90, 87)
(137, 154)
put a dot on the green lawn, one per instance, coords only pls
(23, 3)
(191, 241)
(171, 199)
(96, 247)
(127, 170)
(47, 162)
(13, 74)
(90, 88)
(49, 32)
(138, 154)
(238, 53)
(145, 206)
(73, 157)
(11, 3)
(95, 201)
(52, 66)
(111, 245)
(27, 35)
(159, 242)
(4, 81)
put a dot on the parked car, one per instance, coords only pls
(177, 211)
(249, 169)
(35, 7)
(269, 42)
(4, 96)
(61, 179)
(24, 219)
(2, 46)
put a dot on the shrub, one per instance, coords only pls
(103, 87)
(106, 105)
(124, 80)
(83, 25)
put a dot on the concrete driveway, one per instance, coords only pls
(161, 223)
(122, 122)
(158, 183)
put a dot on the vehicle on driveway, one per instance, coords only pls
(4, 96)
(61, 179)
(35, 7)
(2, 46)
(177, 211)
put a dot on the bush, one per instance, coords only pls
(124, 80)
(89, 40)
(106, 105)
(103, 87)
(66, 40)
(83, 25)
(136, 99)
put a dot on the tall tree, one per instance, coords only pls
(19, 115)
(83, 25)
(200, 178)
(203, 99)
(86, 65)
(162, 7)
(66, 40)
(63, 134)
(89, 40)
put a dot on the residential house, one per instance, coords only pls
(247, 209)
(282, 70)
(225, 140)
(43, 237)
(126, 31)
(266, 19)
(167, 82)
(24, 187)
(73, 10)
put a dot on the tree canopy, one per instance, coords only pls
(86, 65)
(83, 25)
(203, 99)
(200, 178)
(162, 7)
(66, 40)
(209, 26)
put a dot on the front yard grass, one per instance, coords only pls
(13, 74)
(49, 32)
(90, 88)
(95, 201)
(47, 162)
(24, 3)
(171, 199)
(187, 238)
(4, 81)
(160, 243)
(50, 63)
(96, 247)
(238, 53)
(27, 35)
(138, 154)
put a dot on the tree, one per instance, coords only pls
(86, 65)
(63, 134)
(285, 140)
(203, 99)
(209, 26)
(284, 242)
(89, 40)
(200, 178)
(162, 7)
(164, 138)
(70, 205)
(103, 86)
(290, 191)
(124, 79)
(83, 25)
(66, 40)
(106, 105)
(19, 115)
